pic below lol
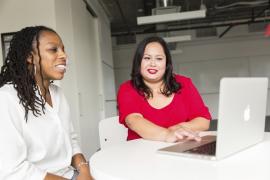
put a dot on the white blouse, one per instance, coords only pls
(42, 144)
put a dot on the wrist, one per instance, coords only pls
(83, 166)
(167, 135)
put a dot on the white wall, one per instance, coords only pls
(107, 94)
(69, 84)
(81, 34)
(87, 67)
(90, 49)
(108, 73)
(107, 69)
(207, 60)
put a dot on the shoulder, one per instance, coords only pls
(11, 110)
(8, 91)
(183, 80)
(126, 87)
(9, 98)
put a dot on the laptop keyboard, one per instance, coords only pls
(206, 149)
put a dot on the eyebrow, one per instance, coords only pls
(57, 44)
(51, 43)
(155, 55)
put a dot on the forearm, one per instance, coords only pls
(50, 176)
(145, 128)
(79, 163)
(76, 160)
(196, 124)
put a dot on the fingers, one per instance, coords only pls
(181, 134)
(186, 134)
(171, 137)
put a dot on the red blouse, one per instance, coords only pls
(186, 105)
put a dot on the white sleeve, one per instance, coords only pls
(13, 151)
(65, 112)
(74, 140)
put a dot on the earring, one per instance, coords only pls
(35, 69)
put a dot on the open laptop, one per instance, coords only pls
(241, 121)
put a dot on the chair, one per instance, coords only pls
(111, 132)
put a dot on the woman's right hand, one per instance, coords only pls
(181, 133)
(170, 136)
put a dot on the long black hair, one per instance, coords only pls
(17, 71)
(170, 84)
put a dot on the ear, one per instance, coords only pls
(30, 58)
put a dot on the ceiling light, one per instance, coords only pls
(171, 17)
(177, 38)
(165, 3)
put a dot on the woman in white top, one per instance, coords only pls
(36, 134)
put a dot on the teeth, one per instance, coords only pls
(60, 66)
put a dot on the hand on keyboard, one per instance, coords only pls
(184, 133)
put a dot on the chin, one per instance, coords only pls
(59, 77)
(154, 80)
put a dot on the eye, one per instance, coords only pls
(54, 49)
(159, 59)
(146, 58)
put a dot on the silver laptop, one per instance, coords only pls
(241, 121)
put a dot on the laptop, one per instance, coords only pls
(241, 121)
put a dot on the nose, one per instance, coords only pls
(152, 62)
(62, 54)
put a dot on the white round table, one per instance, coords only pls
(138, 160)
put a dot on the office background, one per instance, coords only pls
(98, 64)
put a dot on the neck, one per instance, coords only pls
(155, 86)
(43, 85)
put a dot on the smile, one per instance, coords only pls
(152, 71)
(61, 67)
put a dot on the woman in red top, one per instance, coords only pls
(156, 104)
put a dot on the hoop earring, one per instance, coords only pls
(35, 70)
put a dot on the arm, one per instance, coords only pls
(198, 114)
(148, 130)
(129, 112)
(79, 163)
(196, 124)
(13, 151)
(189, 130)
(50, 176)
(78, 160)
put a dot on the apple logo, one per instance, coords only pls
(247, 113)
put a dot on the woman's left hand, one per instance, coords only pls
(184, 133)
(84, 174)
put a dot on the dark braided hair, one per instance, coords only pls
(17, 71)
(170, 83)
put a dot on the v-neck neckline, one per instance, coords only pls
(52, 99)
(47, 105)
(164, 107)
